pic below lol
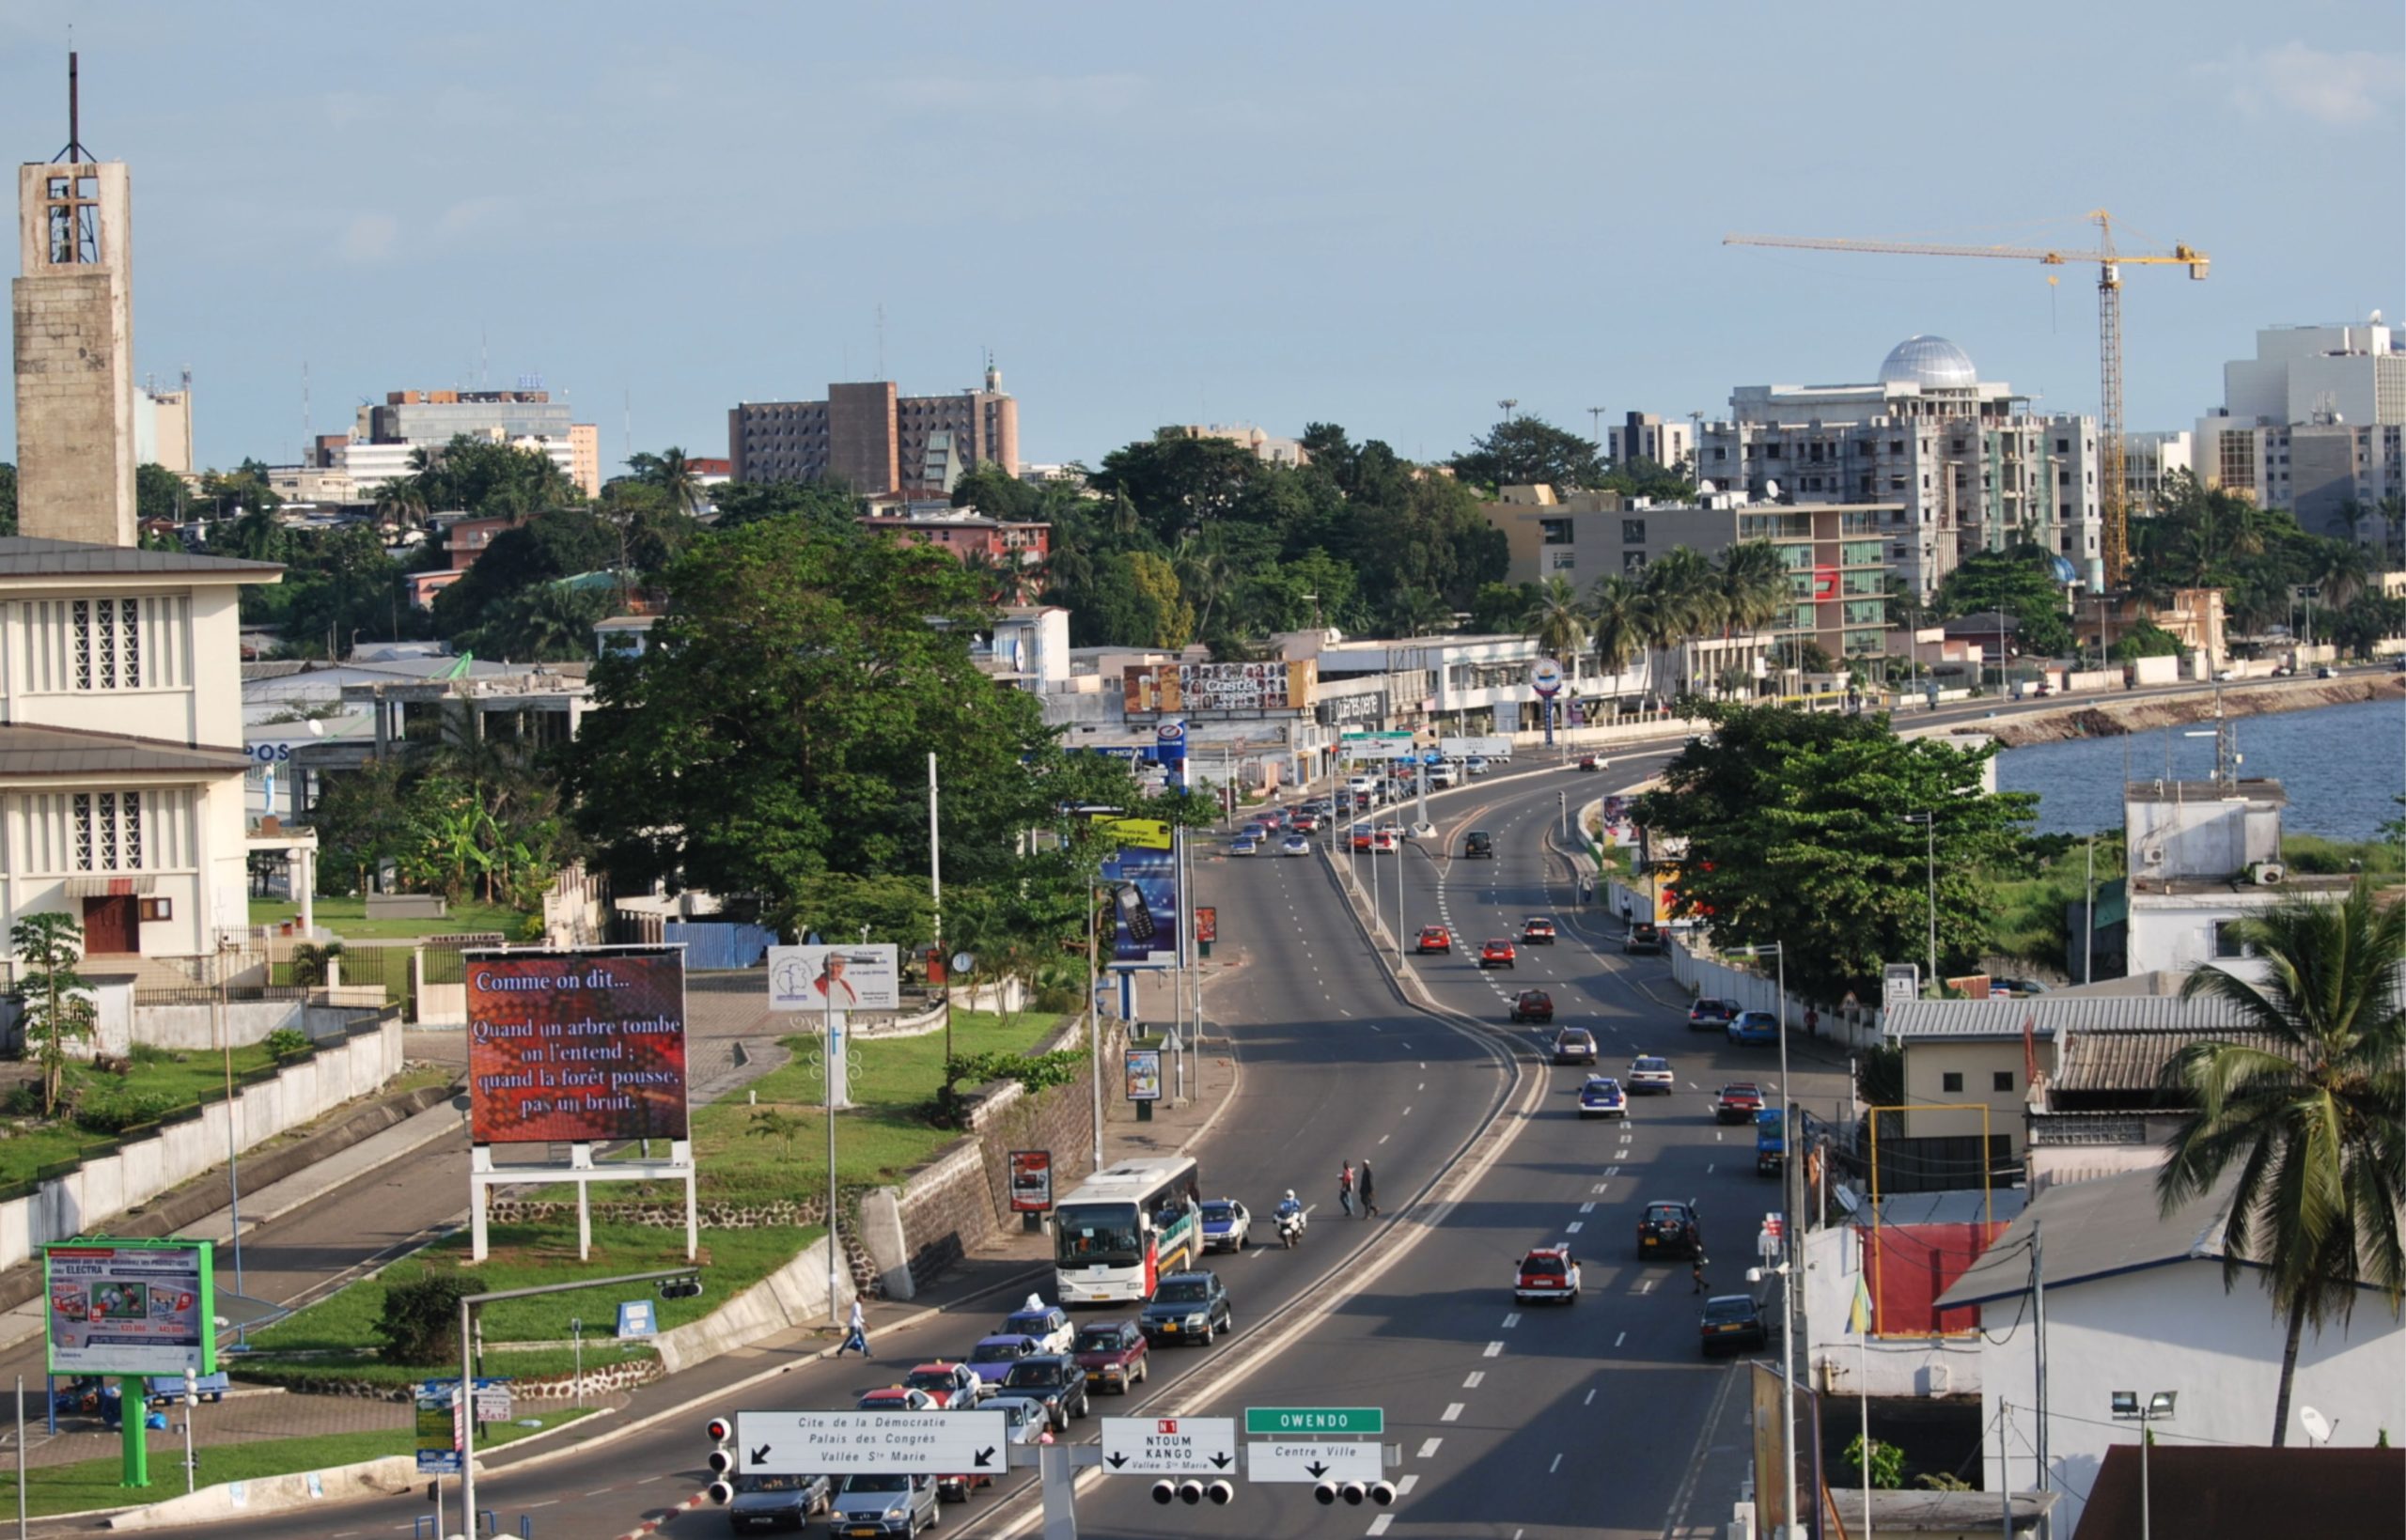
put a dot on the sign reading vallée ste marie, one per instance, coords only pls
(1315, 1422)
(800, 1443)
(1168, 1446)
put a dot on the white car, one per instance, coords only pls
(1651, 1073)
(1475, 765)
(1441, 776)
(1294, 845)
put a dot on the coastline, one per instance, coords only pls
(2109, 717)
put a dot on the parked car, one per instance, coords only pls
(1709, 1014)
(1113, 1355)
(1532, 1005)
(777, 1503)
(168, 1390)
(1645, 938)
(879, 1504)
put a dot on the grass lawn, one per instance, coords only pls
(178, 1080)
(93, 1483)
(348, 917)
(885, 1134)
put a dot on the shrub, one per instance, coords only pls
(1887, 1462)
(288, 1042)
(420, 1321)
(113, 1111)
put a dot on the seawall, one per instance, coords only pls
(2113, 718)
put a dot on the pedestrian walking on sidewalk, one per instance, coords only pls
(856, 1334)
(1345, 1187)
(1369, 1194)
(1812, 1022)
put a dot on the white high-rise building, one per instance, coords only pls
(2315, 423)
(1962, 462)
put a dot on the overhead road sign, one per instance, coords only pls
(1315, 1422)
(799, 1443)
(1394, 744)
(1312, 1460)
(1462, 748)
(1168, 1446)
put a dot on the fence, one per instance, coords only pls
(1856, 1028)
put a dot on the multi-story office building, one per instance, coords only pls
(1643, 435)
(2148, 458)
(2315, 424)
(875, 438)
(1969, 466)
(387, 434)
(162, 427)
(1838, 554)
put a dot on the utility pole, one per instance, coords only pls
(2039, 1330)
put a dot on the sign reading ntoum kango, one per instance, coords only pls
(576, 1046)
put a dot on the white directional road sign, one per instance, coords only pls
(1311, 1460)
(1168, 1446)
(796, 1443)
(1378, 745)
(1462, 748)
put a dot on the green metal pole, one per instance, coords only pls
(130, 1412)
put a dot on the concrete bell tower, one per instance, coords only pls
(74, 345)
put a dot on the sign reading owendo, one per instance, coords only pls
(576, 1046)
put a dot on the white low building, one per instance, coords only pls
(2136, 1302)
(121, 761)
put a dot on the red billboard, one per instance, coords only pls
(576, 1046)
(1031, 1181)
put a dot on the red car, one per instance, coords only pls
(1547, 1272)
(1738, 1102)
(1498, 954)
(953, 1386)
(1537, 932)
(1436, 939)
(1303, 823)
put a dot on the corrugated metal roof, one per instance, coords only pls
(2132, 1061)
(2094, 1230)
(1920, 1021)
(31, 556)
(61, 751)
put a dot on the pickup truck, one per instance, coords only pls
(1113, 1355)
(1771, 1140)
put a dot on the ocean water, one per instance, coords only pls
(2343, 767)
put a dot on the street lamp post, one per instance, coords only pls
(1928, 822)
(2157, 1409)
(1794, 1270)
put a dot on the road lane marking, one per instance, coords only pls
(1646, 1287)
(1476, 1376)
(1494, 1351)
(1591, 1396)
(1709, 1165)
(1555, 1466)
(1385, 1136)
(1512, 1320)
(1574, 1227)
(1589, 1208)
(1617, 1342)
(1428, 1448)
(1598, 1187)
(1403, 1487)
(1453, 1413)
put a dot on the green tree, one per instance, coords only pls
(1522, 451)
(553, 544)
(549, 623)
(55, 1002)
(8, 498)
(419, 1322)
(826, 504)
(1179, 484)
(242, 490)
(1153, 585)
(2306, 1131)
(673, 474)
(159, 494)
(2022, 581)
(1794, 834)
(491, 480)
(1496, 609)
(1618, 624)
(1555, 618)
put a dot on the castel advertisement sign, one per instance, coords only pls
(576, 1046)
(1203, 690)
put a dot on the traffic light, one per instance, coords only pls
(1383, 1493)
(1221, 1494)
(1326, 1494)
(680, 1288)
(721, 1433)
(1164, 1492)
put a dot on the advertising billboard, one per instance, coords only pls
(1031, 1181)
(577, 1046)
(1140, 880)
(131, 1307)
(1143, 1074)
(1204, 690)
(834, 978)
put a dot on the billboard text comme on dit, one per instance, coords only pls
(576, 1046)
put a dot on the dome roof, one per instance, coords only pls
(1932, 362)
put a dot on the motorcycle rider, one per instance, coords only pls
(1292, 1208)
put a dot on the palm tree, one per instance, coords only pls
(2308, 1131)
(1615, 624)
(673, 474)
(1753, 586)
(1555, 619)
(1686, 600)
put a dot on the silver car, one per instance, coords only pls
(882, 1505)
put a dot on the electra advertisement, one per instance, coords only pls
(577, 1046)
(1140, 876)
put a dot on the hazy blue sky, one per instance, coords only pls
(1387, 215)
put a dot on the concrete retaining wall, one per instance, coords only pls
(193, 1029)
(87, 1197)
(387, 1477)
(794, 1295)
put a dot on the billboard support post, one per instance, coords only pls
(131, 1409)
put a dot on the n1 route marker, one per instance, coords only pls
(1168, 1446)
(1316, 1422)
(800, 1443)
(1312, 1460)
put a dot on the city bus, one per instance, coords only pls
(1124, 1228)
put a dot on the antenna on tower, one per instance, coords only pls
(881, 340)
(74, 150)
(308, 420)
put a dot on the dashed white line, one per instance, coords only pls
(1453, 1413)
(1709, 1165)
(1512, 1320)
(1589, 1208)
(1598, 1187)
(1646, 1287)
(1574, 1227)
(1385, 1136)
(1591, 1396)
(1403, 1487)
(1428, 1448)
(1476, 1376)
(1378, 1525)
(1494, 1351)
(1617, 1342)
(1555, 1466)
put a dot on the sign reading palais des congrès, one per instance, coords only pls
(131, 1307)
(580, 1046)
(1201, 689)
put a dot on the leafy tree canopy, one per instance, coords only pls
(8, 498)
(827, 503)
(2021, 580)
(492, 480)
(159, 492)
(1794, 834)
(555, 543)
(1519, 451)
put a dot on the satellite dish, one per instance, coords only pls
(2318, 1426)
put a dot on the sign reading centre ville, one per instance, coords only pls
(1201, 689)
(576, 1046)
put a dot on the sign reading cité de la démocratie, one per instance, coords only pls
(797, 1443)
(1168, 1446)
(131, 1307)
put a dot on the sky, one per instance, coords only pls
(1390, 216)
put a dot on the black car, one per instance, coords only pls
(777, 1503)
(1188, 1307)
(1669, 1229)
(1054, 1378)
(1478, 845)
(1645, 938)
(1732, 1323)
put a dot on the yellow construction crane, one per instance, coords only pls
(2109, 339)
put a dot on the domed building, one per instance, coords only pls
(1932, 460)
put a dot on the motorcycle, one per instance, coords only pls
(1290, 1227)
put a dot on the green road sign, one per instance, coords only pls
(1295, 1421)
